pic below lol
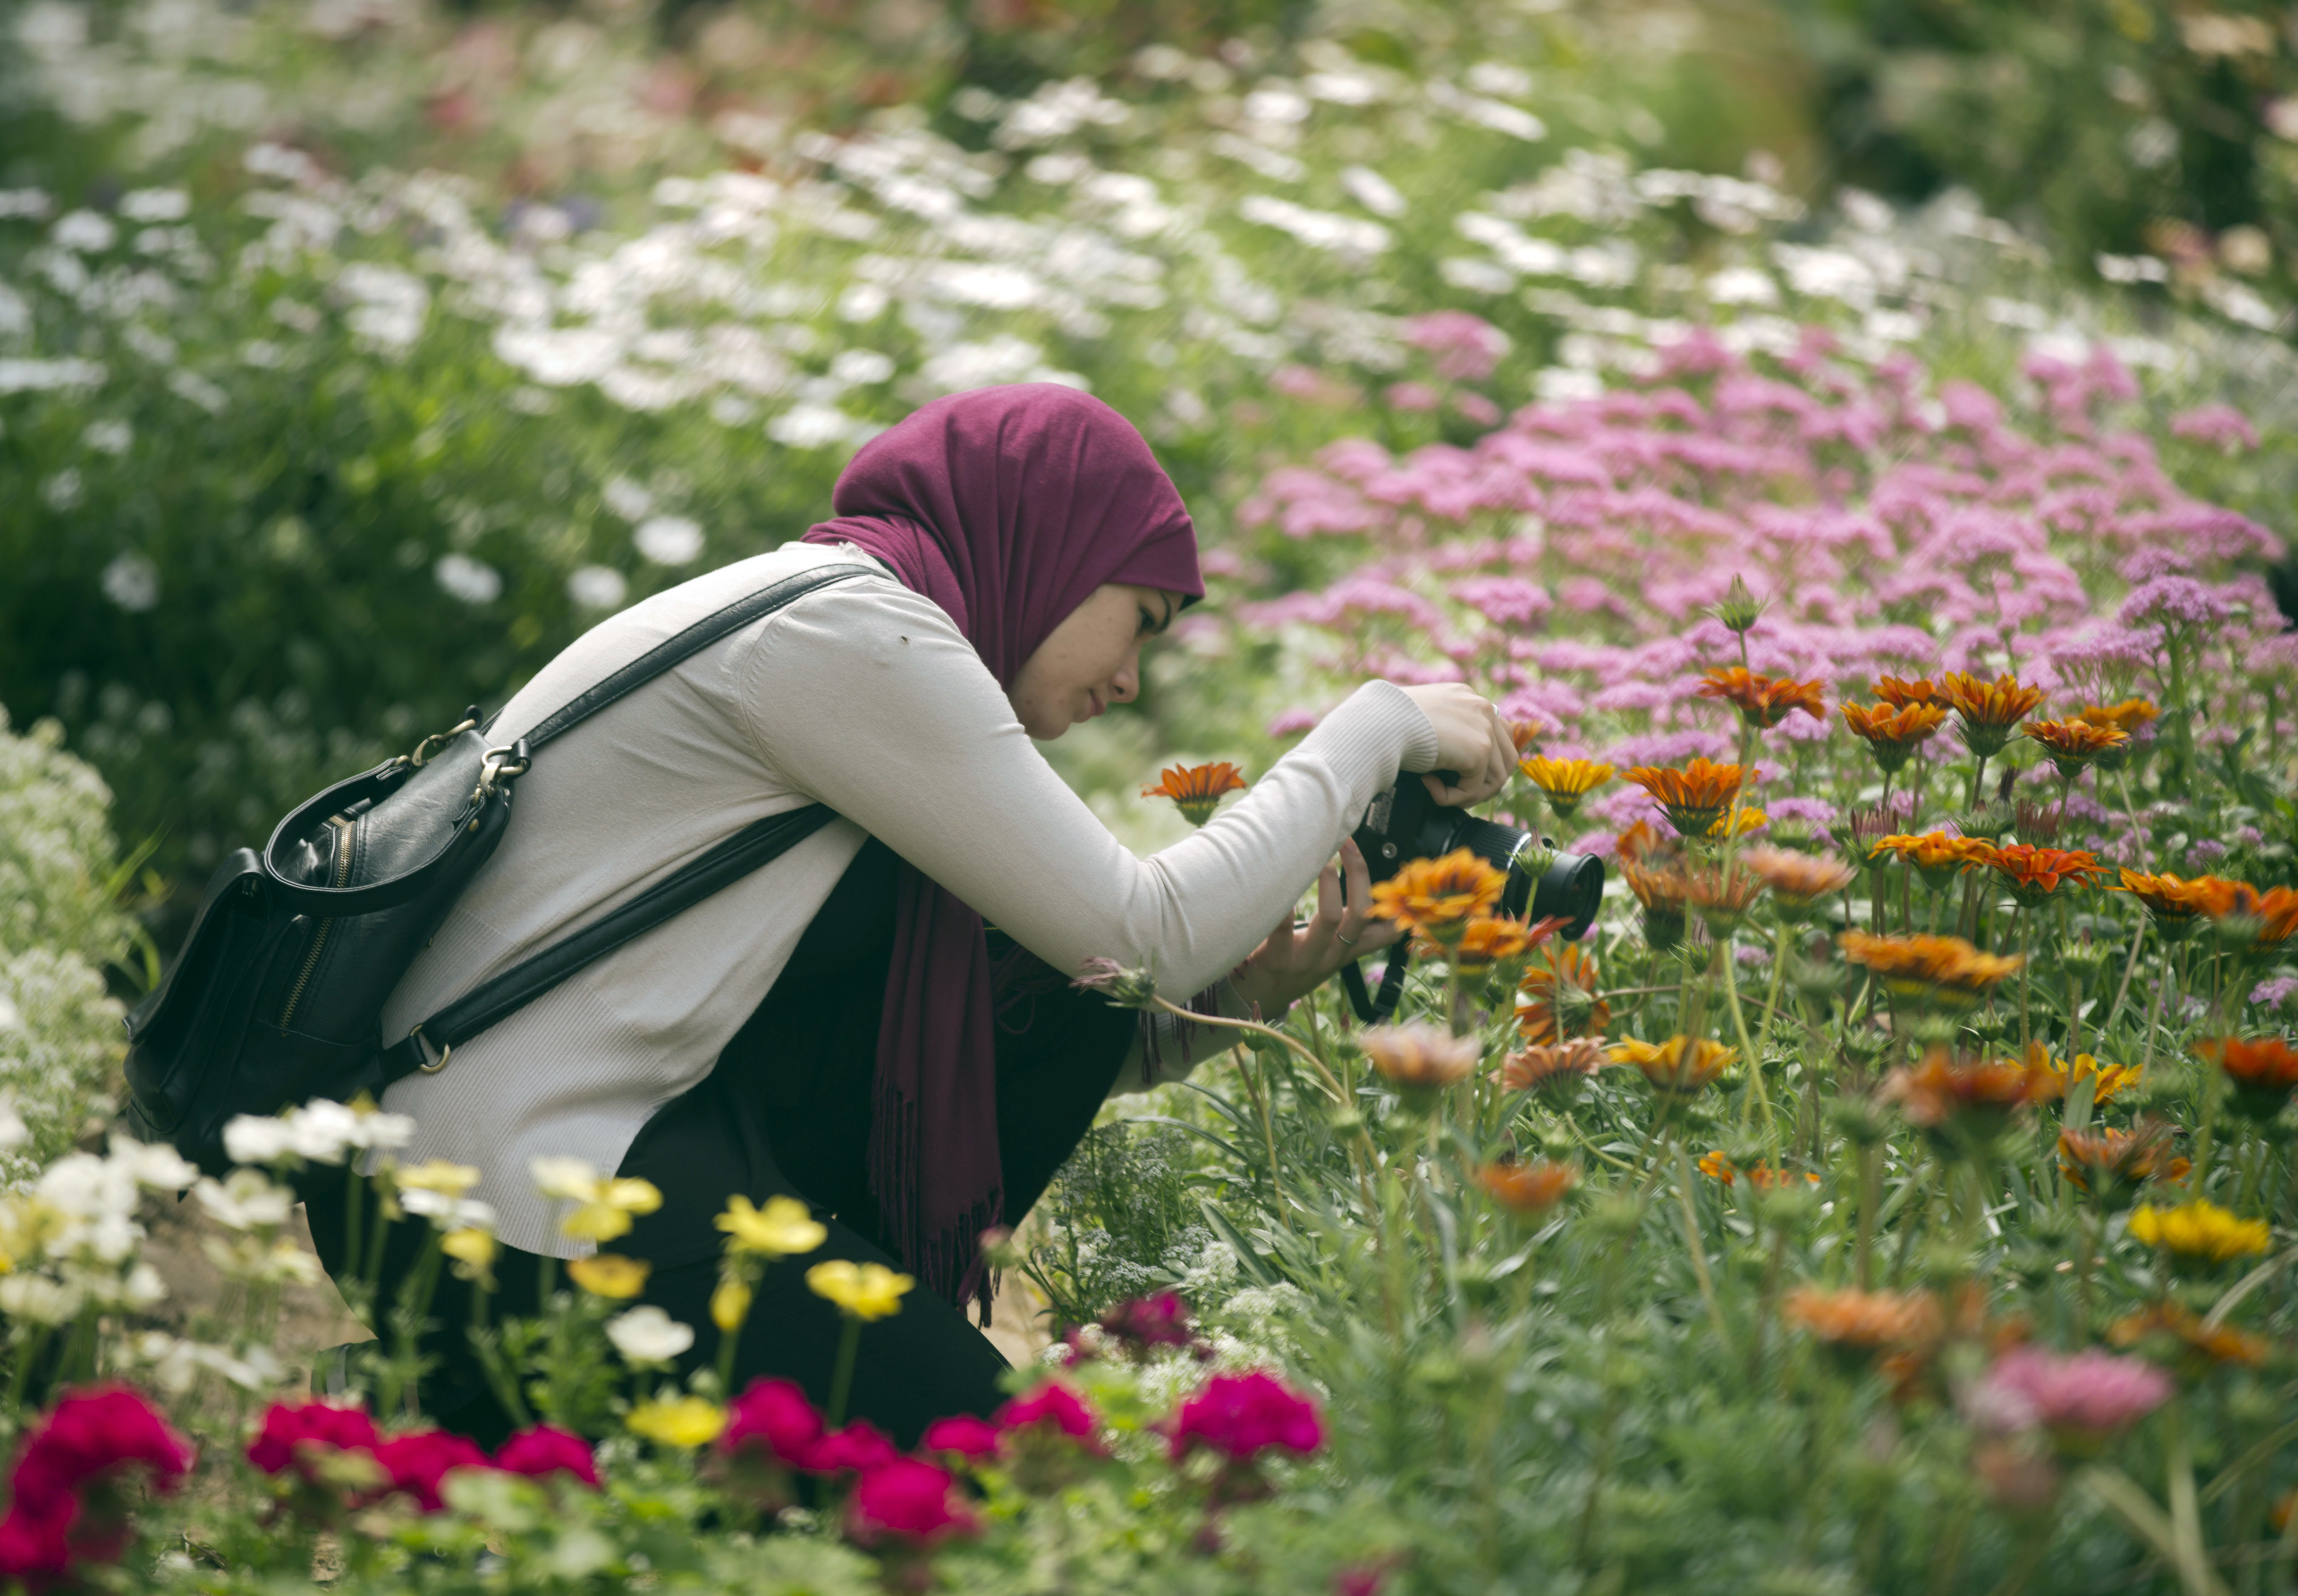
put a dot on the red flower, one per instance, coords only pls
(289, 1428)
(60, 1510)
(1052, 1408)
(773, 1415)
(418, 1462)
(545, 1449)
(907, 1502)
(1161, 1319)
(970, 1437)
(858, 1448)
(1242, 1416)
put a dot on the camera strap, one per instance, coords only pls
(1372, 1010)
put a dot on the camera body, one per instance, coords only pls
(1405, 823)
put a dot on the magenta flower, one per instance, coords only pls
(965, 1436)
(1052, 1409)
(1242, 1416)
(2090, 1395)
(858, 1447)
(545, 1449)
(911, 1503)
(772, 1417)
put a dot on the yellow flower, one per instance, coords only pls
(472, 1248)
(782, 1227)
(437, 1175)
(2199, 1229)
(607, 1206)
(2056, 1079)
(729, 1305)
(679, 1421)
(609, 1274)
(867, 1291)
(1564, 782)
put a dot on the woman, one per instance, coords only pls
(839, 1025)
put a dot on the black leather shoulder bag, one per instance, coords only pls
(277, 996)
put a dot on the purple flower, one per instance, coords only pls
(2275, 991)
(2219, 426)
(2091, 1394)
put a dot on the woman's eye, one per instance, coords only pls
(1148, 622)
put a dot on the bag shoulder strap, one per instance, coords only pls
(747, 850)
(684, 645)
(389, 892)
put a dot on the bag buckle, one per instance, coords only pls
(432, 744)
(446, 1053)
(501, 766)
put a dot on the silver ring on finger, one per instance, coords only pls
(1346, 940)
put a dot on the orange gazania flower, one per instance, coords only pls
(2073, 744)
(1939, 855)
(2034, 874)
(1716, 1166)
(1943, 968)
(2173, 902)
(1522, 733)
(1722, 896)
(1556, 997)
(2241, 913)
(1564, 782)
(2051, 1080)
(2202, 1343)
(1420, 1057)
(1678, 1067)
(1197, 790)
(1987, 710)
(1558, 1064)
(1893, 734)
(1654, 871)
(1438, 897)
(2117, 1161)
(1904, 695)
(1764, 701)
(2127, 716)
(1970, 1096)
(1798, 878)
(1871, 1321)
(1693, 798)
(1527, 1189)
(1494, 940)
(2264, 1071)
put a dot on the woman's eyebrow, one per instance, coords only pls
(1171, 604)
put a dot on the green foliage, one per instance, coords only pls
(60, 927)
(1121, 1219)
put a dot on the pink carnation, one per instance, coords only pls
(858, 1447)
(545, 1450)
(907, 1501)
(1053, 1408)
(289, 1429)
(419, 1462)
(775, 1417)
(57, 1514)
(965, 1434)
(1242, 1416)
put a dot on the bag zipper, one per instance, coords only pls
(320, 938)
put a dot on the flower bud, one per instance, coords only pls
(1740, 608)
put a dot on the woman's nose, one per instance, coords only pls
(1125, 685)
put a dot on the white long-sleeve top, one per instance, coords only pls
(865, 696)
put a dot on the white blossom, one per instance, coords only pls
(158, 1166)
(85, 231)
(669, 540)
(468, 579)
(245, 1200)
(257, 1139)
(449, 1214)
(37, 1299)
(597, 587)
(647, 1334)
(568, 1179)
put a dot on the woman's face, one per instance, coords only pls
(1092, 660)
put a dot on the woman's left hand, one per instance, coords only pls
(1299, 956)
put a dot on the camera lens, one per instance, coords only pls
(1573, 887)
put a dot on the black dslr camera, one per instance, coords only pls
(1405, 823)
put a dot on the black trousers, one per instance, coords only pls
(786, 1113)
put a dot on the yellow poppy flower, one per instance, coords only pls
(729, 1305)
(606, 1209)
(436, 1175)
(866, 1291)
(680, 1421)
(782, 1227)
(609, 1274)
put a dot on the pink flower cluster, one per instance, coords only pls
(2087, 1396)
(1567, 561)
(309, 1440)
(63, 1507)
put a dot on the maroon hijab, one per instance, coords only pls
(1006, 507)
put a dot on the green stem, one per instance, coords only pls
(842, 1382)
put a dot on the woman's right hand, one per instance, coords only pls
(1472, 742)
